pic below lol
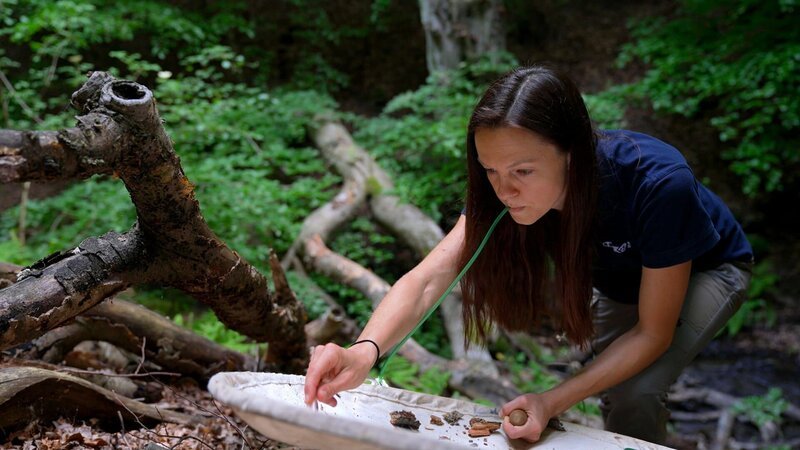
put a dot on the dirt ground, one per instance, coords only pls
(220, 429)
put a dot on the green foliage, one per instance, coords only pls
(756, 310)
(607, 108)
(401, 372)
(166, 301)
(366, 244)
(65, 39)
(530, 375)
(245, 151)
(306, 293)
(588, 407)
(741, 61)
(762, 409)
(89, 208)
(14, 252)
(206, 324)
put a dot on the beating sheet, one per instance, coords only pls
(273, 405)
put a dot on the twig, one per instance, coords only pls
(23, 211)
(156, 433)
(705, 416)
(121, 375)
(141, 361)
(51, 73)
(4, 103)
(724, 428)
(122, 423)
(219, 415)
(21, 103)
(736, 445)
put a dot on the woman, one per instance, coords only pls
(645, 263)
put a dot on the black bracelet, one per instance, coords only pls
(378, 357)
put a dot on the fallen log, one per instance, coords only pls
(120, 132)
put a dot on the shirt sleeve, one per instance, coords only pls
(672, 226)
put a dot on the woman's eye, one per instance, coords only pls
(524, 172)
(489, 171)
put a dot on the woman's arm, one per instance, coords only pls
(333, 369)
(661, 297)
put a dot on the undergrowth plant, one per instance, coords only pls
(407, 375)
(755, 310)
(761, 409)
(739, 61)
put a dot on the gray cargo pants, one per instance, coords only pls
(636, 407)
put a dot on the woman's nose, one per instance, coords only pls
(506, 189)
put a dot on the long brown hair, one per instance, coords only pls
(507, 282)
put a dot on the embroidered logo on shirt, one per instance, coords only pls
(617, 248)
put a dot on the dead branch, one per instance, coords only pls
(132, 327)
(719, 399)
(112, 382)
(29, 394)
(736, 445)
(119, 131)
(724, 429)
(332, 326)
(128, 326)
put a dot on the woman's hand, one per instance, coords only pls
(538, 416)
(333, 369)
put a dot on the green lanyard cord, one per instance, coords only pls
(446, 293)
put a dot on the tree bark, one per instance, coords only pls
(120, 132)
(135, 329)
(456, 30)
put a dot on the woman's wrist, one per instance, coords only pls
(554, 402)
(368, 346)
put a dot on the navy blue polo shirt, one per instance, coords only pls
(652, 212)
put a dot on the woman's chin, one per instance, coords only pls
(522, 219)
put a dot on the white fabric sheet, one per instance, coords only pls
(273, 404)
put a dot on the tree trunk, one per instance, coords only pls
(456, 30)
(120, 132)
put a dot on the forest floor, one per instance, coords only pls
(748, 364)
(220, 429)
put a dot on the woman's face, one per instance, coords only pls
(528, 174)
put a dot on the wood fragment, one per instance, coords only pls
(491, 426)
(473, 432)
